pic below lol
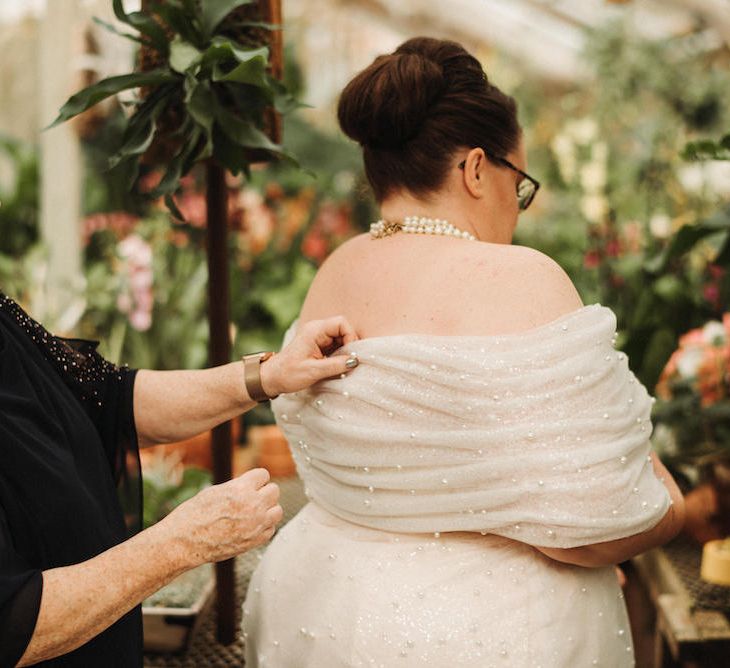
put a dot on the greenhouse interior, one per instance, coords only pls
(219, 447)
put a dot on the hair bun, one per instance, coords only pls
(386, 104)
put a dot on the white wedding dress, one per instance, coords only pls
(432, 470)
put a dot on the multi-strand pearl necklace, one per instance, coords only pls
(418, 225)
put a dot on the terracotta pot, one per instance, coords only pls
(196, 451)
(708, 506)
(273, 450)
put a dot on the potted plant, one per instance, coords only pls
(208, 93)
(693, 418)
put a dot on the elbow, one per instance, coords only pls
(677, 515)
(584, 556)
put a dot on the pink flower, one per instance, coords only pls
(711, 292)
(140, 320)
(314, 246)
(591, 259)
(136, 298)
(613, 248)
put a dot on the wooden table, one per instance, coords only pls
(683, 634)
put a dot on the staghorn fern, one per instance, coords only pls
(209, 89)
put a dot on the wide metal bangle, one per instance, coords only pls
(252, 375)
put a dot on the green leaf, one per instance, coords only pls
(685, 238)
(212, 12)
(284, 102)
(252, 72)
(145, 24)
(661, 346)
(140, 129)
(236, 25)
(223, 49)
(706, 149)
(723, 255)
(200, 102)
(114, 30)
(669, 287)
(173, 208)
(138, 142)
(243, 132)
(183, 55)
(179, 165)
(228, 154)
(97, 92)
(183, 20)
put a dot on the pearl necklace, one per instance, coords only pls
(418, 225)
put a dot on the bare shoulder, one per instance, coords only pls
(522, 281)
(328, 293)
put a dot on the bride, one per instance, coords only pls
(473, 482)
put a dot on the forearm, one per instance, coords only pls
(616, 551)
(82, 600)
(174, 405)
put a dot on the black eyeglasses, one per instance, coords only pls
(526, 188)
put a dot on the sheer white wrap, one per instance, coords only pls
(535, 438)
(541, 436)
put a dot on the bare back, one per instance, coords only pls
(436, 285)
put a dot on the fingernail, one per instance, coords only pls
(352, 363)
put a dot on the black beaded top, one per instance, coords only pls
(70, 484)
(76, 359)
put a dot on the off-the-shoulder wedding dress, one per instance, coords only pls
(432, 470)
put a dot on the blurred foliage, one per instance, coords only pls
(707, 149)
(19, 188)
(167, 484)
(636, 227)
(206, 91)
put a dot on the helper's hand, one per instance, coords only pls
(305, 360)
(225, 520)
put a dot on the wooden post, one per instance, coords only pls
(220, 353)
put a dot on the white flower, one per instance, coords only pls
(564, 151)
(250, 198)
(692, 178)
(136, 250)
(689, 362)
(717, 173)
(593, 177)
(664, 440)
(344, 181)
(714, 332)
(660, 225)
(713, 175)
(594, 207)
(583, 130)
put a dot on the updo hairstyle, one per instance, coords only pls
(413, 109)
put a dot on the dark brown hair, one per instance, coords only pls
(412, 109)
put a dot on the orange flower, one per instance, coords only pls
(693, 337)
(712, 375)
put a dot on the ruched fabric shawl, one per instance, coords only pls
(540, 436)
(67, 443)
(433, 470)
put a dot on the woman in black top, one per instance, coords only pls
(71, 580)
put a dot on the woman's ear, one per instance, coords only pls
(473, 169)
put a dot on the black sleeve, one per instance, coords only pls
(106, 392)
(20, 599)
